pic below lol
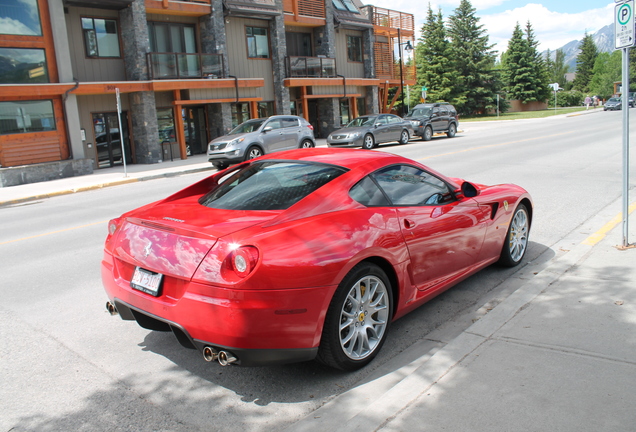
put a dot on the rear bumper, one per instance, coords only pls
(260, 326)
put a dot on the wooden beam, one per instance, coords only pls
(178, 125)
(253, 109)
(303, 101)
(301, 82)
(330, 96)
(209, 101)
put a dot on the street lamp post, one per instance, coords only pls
(408, 49)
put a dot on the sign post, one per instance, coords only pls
(624, 40)
(121, 132)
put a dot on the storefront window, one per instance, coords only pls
(362, 107)
(240, 113)
(26, 116)
(20, 18)
(265, 109)
(27, 66)
(165, 120)
(344, 112)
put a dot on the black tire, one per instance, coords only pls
(404, 137)
(220, 165)
(368, 142)
(353, 333)
(452, 130)
(428, 133)
(516, 241)
(307, 144)
(253, 152)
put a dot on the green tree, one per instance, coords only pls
(585, 63)
(433, 60)
(525, 74)
(473, 61)
(607, 70)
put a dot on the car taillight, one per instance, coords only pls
(243, 260)
(310, 127)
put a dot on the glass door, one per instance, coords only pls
(108, 139)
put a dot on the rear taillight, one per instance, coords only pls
(243, 260)
(310, 127)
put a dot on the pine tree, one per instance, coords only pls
(433, 60)
(558, 69)
(473, 62)
(517, 67)
(585, 63)
(539, 79)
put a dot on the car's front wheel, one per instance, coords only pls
(516, 243)
(428, 133)
(358, 319)
(452, 130)
(253, 152)
(404, 137)
(306, 144)
(368, 142)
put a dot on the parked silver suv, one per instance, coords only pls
(257, 137)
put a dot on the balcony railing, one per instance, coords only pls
(311, 67)
(390, 18)
(185, 66)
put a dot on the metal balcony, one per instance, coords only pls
(185, 66)
(311, 67)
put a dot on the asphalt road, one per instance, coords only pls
(66, 364)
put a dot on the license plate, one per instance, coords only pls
(146, 281)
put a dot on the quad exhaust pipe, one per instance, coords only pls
(111, 308)
(223, 357)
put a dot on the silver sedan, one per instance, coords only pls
(370, 130)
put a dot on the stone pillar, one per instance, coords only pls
(65, 71)
(329, 114)
(219, 119)
(143, 111)
(279, 53)
(214, 41)
(325, 36)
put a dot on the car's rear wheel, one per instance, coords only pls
(404, 137)
(452, 130)
(306, 144)
(428, 133)
(368, 142)
(358, 319)
(253, 152)
(516, 243)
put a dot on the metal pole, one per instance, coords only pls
(625, 109)
(401, 72)
(121, 133)
(555, 100)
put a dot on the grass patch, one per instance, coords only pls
(523, 115)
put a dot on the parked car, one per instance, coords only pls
(306, 254)
(257, 137)
(370, 130)
(432, 118)
(613, 104)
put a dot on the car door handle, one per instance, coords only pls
(408, 223)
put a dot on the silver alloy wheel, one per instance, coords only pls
(306, 144)
(404, 138)
(254, 153)
(364, 317)
(368, 141)
(518, 238)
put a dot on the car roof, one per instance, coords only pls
(347, 158)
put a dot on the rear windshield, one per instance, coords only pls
(270, 185)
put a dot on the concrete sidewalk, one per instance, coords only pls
(559, 354)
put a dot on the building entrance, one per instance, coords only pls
(108, 139)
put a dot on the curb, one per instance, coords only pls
(102, 185)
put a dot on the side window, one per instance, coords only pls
(435, 111)
(289, 122)
(367, 193)
(443, 111)
(382, 120)
(406, 185)
(274, 124)
(394, 119)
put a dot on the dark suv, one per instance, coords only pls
(431, 118)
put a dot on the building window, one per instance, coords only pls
(257, 42)
(101, 38)
(362, 106)
(20, 18)
(165, 121)
(345, 116)
(172, 38)
(265, 109)
(345, 5)
(354, 48)
(240, 113)
(27, 66)
(26, 117)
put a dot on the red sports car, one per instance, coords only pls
(306, 254)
